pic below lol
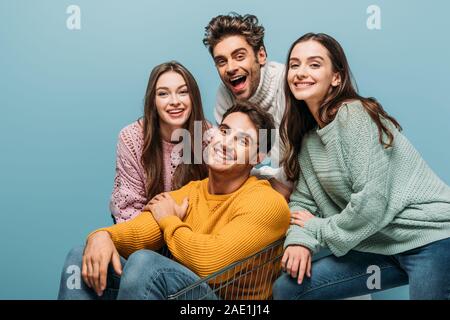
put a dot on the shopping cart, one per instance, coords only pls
(248, 279)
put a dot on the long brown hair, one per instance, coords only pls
(152, 154)
(297, 119)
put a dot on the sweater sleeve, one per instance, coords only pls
(301, 199)
(368, 165)
(128, 195)
(258, 220)
(142, 232)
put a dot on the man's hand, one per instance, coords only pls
(163, 205)
(301, 217)
(98, 253)
(296, 261)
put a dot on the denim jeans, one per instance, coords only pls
(146, 275)
(426, 269)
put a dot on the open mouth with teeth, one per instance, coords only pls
(238, 82)
(222, 156)
(303, 84)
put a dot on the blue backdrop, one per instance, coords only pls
(65, 94)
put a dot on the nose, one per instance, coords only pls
(174, 100)
(231, 67)
(301, 72)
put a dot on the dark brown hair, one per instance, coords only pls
(298, 120)
(260, 118)
(152, 154)
(232, 24)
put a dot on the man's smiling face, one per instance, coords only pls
(235, 146)
(238, 65)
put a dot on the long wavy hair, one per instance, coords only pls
(152, 154)
(297, 119)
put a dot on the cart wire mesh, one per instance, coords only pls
(248, 279)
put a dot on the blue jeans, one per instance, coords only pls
(146, 275)
(426, 269)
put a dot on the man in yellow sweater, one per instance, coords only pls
(206, 224)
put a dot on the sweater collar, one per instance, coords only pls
(265, 94)
(208, 196)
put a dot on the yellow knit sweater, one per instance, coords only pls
(217, 229)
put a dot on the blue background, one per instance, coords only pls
(64, 96)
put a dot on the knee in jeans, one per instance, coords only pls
(138, 263)
(279, 289)
(285, 287)
(143, 258)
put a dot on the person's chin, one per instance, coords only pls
(302, 96)
(219, 167)
(177, 122)
(241, 94)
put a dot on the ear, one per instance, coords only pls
(261, 55)
(336, 80)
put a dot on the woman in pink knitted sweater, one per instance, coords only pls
(149, 161)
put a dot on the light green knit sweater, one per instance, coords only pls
(366, 197)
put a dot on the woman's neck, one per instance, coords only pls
(166, 131)
(313, 107)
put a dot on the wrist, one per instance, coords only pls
(99, 233)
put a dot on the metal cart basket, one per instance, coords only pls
(248, 279)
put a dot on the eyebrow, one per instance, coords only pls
(232, 53)
(166, 88)
(309, 58)
(315, 57)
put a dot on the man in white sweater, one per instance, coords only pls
(236, 44)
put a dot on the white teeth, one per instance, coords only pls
(178, 111)
(222, 155)
(236, 78)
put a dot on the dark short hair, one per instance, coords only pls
(234, 24)
(260, 118)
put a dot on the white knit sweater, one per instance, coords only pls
(270, 96)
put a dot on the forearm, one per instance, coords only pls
(297, 235)
(142, 232)
(366, 214)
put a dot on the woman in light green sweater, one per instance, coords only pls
(362, 190)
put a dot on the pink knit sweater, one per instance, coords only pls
(128, 196)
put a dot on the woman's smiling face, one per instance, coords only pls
(172, 100)
(310, 72)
